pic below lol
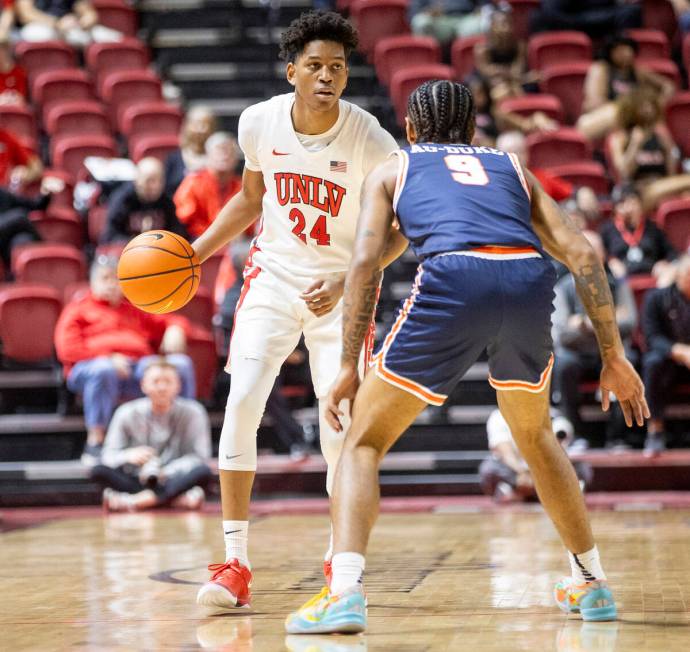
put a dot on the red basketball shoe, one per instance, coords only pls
(228, 586)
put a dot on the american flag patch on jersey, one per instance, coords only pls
(338, 166)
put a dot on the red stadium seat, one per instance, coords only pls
(686, 54)
(123, 88)
(76, 291)
(156, 145)
(652, 43)
(62, 199)
(659, 14)
(55, 86)
(103, 58)
(521, 10)
(376, 19)
(98, 216)
(48, 55)
(60, 225)
(56, 265)
(117, 15)
(584, 173)
(201, 348)
(526, 105)
(678, 119)
(396, 52)
(28, 314)
(77, 117)
(150, 118)
(548, 148)
(565, 81)
(663, 67)
(563, 46)
(406, 80)
(200, 309)
(673, 216)
(462, 55)
(68, 152)
(21, 122)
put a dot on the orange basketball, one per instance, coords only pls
(159, 271)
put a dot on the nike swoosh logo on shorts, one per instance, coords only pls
(280, 153)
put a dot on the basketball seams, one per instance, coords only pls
(167, 296)
(167, 271)
(167, 251)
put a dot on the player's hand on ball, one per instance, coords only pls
(344, 387)
(323, 294)
(619, 376)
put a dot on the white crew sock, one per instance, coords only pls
(585, 566)
(329, 552)
(348, 568)
(235, 535)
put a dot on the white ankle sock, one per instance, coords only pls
(329, 552)
(585, 566)
(235, 535)
(348, 568)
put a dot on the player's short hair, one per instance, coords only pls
(317, 26)
(442, 111)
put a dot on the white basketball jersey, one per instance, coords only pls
(311, 204)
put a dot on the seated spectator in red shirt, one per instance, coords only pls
(6, 19)
(105, 344)
(141, 206)
(202, 194)
(13, 89)
(18, 165)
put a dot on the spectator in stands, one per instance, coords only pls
(643, 151)
(666, 327)
(105, 343)
(505, 475)
(18, 165)
(198, 125)
(15, 226)
(13, 88)
(615, 76)
(682, 9)
(75, 21)
(502, 59)
(634, 244)
(597, 18)
(141, 205)
(446, 20)
(156, 448)
(576, 353)
(202, 194)
(586, 201)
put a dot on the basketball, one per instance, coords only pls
(159, 271)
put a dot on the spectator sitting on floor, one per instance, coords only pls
(156, 448)
(633, 243)
(558, 189)
(446, 20)
(202, 194)
(18, 165)
(612, 78)
(666, 327)
(15, 226)
(643, 151)
(105, 343)
(505, 474)
(141, 206)
(75, 21)
(576, 352)
(199, 123)
(13, 86)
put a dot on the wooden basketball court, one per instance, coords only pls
(449, 580)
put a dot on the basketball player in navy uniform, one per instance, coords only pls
(482, 228)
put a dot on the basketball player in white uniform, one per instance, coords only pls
(310, 151)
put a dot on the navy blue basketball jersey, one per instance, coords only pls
(457, 197)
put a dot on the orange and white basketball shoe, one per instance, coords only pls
(592, 600)
(228, 587)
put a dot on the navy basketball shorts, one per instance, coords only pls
(465, 302)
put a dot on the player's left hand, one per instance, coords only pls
(344, 387)
(323, 294)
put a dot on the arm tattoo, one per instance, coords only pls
(359, 301)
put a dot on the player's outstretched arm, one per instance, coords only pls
(241, 210)
(563, 240)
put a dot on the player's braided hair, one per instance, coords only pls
(442, 111)
(317, 26)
